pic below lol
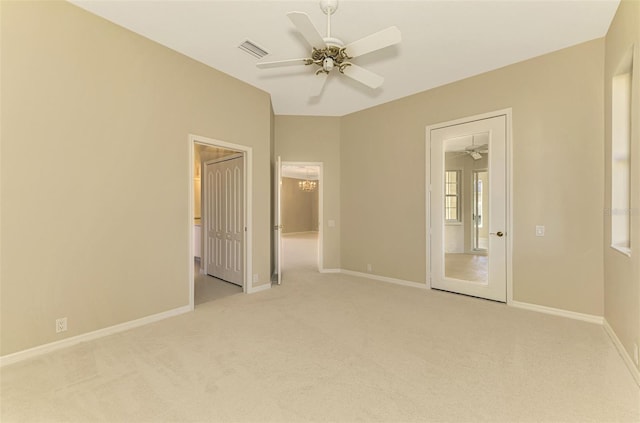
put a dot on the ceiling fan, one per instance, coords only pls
(476, 151)
(331, 53)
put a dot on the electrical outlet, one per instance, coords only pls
(539, 230)
(635, 353)
(256, 278)
(369, 267)
(61, 324)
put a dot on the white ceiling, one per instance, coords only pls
(442, 41)
(300, 172)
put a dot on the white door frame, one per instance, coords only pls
(247, 285)
(278, 221)
(509, 189)
(320, 257)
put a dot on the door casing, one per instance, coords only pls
(508, 190)
(247, 285)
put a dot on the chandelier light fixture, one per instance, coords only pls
(307, 185)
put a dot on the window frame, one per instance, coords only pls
(621, 182)
(457, 196)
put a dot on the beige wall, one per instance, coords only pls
(622, 273)
(299, 208)
(95, 170)
(316, 139)
(557, 102)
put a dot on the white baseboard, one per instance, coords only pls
(591, 318)
(622, 351)
(64, 343)
(329, 270)
(259, 288)
(385, 279)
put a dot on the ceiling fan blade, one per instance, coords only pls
(280, 63)
(318, 84)
(363, 76)
(307, 29)
(376, 41)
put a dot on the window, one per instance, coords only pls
(452, 206)
(621, 160)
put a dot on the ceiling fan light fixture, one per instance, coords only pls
(327, 64)
(329, 53)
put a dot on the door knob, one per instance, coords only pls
(500, 234)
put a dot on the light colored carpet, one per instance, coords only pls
(333, 348)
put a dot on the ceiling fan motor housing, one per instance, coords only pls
(330, 57)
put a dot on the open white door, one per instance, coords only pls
(458, 154)
(278, 218)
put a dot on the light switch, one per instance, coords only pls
(539, 230)
(332, 223)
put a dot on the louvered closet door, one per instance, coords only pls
(224, 219)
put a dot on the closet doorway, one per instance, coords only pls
(220, 208)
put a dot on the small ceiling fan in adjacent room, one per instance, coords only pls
(476, 151)
(329, 53)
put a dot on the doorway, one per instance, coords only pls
(299, 215)
(468, 224)
(232, 160)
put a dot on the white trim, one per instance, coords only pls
(591, 318)
(427, 214)
(509, 189)
(100, 333)
(624, 250)
(508, 113)
(329, 270)
(259, 288)
(635, 372)
(247, 285)
(190, 249)
(385, 279)
(300, 233)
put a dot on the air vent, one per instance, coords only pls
(251, 48)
